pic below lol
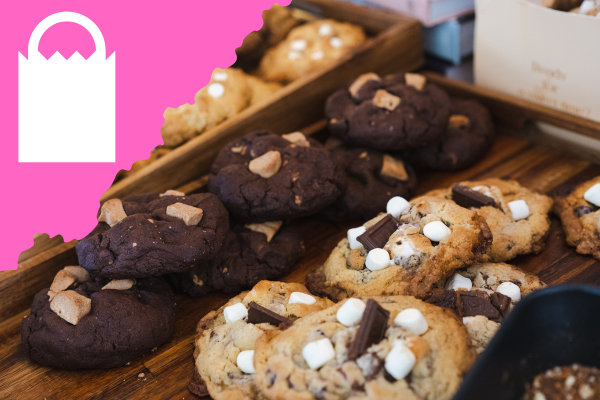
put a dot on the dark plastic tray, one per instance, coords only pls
(559, 325)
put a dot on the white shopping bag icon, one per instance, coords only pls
(66, 107)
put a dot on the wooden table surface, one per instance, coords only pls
(165, 373)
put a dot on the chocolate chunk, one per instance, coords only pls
(197, 385)
(501, 302)
(371, 330)
(477, 302)
(258, 314)
(582, 210)
(377, 236)
(467, 198)
(448, 299)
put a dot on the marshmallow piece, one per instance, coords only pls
(62, 281)
(317, 55)
(353, 234)
(266, 165)
(119, 284)
(519, 209)
(215, 90)
(587, 6)
(393, 168)
(325, 30)
(79, 273)
(415, 80)
(361, 80)
(268, 228)
(298, 45)
(297, 138)
(335, 42)
(467, 320)
(412, 320)
(377, 259)
(457, 121)
(220, 76)
(294, 55)
(400, 361)
(171, 192)
(401, 254)
(318, 353)
(396, 206)
(301, 298)
(593, 195)
(112, 212)
(245, 361)
(71, 306)
(436, 231)
(457, 281)
(235, 312)
(386, 100)
(510, 289)
(190, 215)
(351, 312)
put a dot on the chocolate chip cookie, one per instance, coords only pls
(469, 135)
(225, 338)
(324, 356)
(154, 234)
(573, 382)
(394, 113)
(579, 212)
(265, 177)
(248, 255)
(98, 323)
(517, 216)
(430, 239)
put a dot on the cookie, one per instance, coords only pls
(497, 287)
(120, 325)
(518, 217)
(394, 113)
(153, 234)
(308, 48)
(246, 257)
(402, 256)
(372, 179)
(393, 363)
(469, 135)
(265, 177)
(574, 382)
(219, 341)
(580, 217)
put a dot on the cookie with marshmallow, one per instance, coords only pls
(225, 339)
(422, 344)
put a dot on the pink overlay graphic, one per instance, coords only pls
(166, 52)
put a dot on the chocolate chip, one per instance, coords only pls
(501, 302)
(582, 210)
(477, 302)
(388, 377)
(467, 198)
(377, 236)
(371, 330)
(448, 299)
(258, 314)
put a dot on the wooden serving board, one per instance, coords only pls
(165, 373)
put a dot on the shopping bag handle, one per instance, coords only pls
(92, 28)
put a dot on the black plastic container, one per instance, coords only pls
(559, 325)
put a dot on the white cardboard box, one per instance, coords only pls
(542, 55)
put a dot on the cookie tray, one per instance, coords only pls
(165, 373)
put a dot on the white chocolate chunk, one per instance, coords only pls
(361, 80)
(318, 353)
(377, 259)
(112, 212)
(325, 30)
(457, 281)
(171, 192)
(519, 209)
(79, 273)
(593, 195)
(317, 55)
(190, 215)
(220, 76)
(457, 121)
(386, 100)
(266, 165)
(412, 320)
(393, 168)
(335, 42)
(353, 234)
(436, 231)
(62, 281)
(415, 80)
(245, 361)
(297, 138)
(351, 312)
(396, 206)
(215, 90)
(119, 284)
(301, 298)
(268, 228)
(71, 306)
(510, 289)
(235, 312)
(298, 45)
(400, 361)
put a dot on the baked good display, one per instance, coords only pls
(573, 382)
(82, 322)
(468, 136)
(265, 177)
(579, 213)
(249, 254)
(517, 217)
(392, 113)
(482, 295)
(225, 338)
(309, 47)
(155, 155)
(407, 251)
(394, 347)
(154, 234)
(372, 179)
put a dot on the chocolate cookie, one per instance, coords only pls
(372, 179)
(108, 327)
(246, 257)
(468, 137)
(394, 113)
(153, 234)
(266, 177)
(573, 382)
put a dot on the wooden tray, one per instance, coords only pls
(166, 372)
